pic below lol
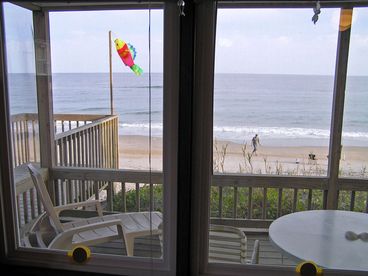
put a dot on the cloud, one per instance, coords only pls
(335, 19)
(78, 33)
(80, 39)
(358, 40)
(278, 54)
(225, 42)
(283, 40)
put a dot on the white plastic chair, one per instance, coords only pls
(89, 231)
(229, 244)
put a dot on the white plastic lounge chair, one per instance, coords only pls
(89, 231)
(229, 244)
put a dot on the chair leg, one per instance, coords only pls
(129, 245)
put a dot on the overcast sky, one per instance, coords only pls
(283, 41)
(83, 37)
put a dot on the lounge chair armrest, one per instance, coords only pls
(88, 203)
(64, 239)
(93, 226)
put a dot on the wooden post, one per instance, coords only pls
(202, 128)
(7, 196)
(110, 64)
(184, 147)
(338, 106)
(44, 92)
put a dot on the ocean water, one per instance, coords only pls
(288, 110)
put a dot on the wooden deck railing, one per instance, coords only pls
(81, 140)
(256, 200)
(87, 153)
(279, 186)
(122, 182)
(24, 129)
(265, 197)
(91, 145)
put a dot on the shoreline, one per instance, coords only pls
(234, 158)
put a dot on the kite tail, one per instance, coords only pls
(136, 69)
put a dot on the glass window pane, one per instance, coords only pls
(274, 79)
(23, 105)
(122, 212)
(22, 83)
(81, 85)
(354, 156)
(89, 135)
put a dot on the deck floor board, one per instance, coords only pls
(268, 255)
(149, 246)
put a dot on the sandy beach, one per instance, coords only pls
(134, 152)
(234, 158)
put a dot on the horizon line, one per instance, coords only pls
(237, 73)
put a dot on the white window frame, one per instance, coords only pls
(100, 263)
(203, 135)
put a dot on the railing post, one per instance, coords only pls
(250, 203)
(123, 197)
(220, 201)
(44, 92)
(235, 211)
(110, 196)
(310, 193)
(352, 200)
(34, 141)
(264, 204)
(137, 198)
(116, 142)
(295, 200)
(338, 106)
(279, 203)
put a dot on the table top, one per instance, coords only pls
(319, 236)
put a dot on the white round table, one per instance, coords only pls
(319, 236)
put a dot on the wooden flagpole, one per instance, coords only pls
(110, 63)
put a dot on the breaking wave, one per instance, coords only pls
(245, 133)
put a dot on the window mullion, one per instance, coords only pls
(44, 91)
(338, 106)
(205, 29)
(7, 219)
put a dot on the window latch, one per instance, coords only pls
(317, 11)
(181, 5)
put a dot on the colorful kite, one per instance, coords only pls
(127, 54)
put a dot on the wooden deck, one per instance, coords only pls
(147, 247)
(150, 246)
(143, 247)
(268, 254)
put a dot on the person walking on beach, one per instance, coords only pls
(255, 143)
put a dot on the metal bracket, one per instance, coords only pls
(181, 5)
(317, 11)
